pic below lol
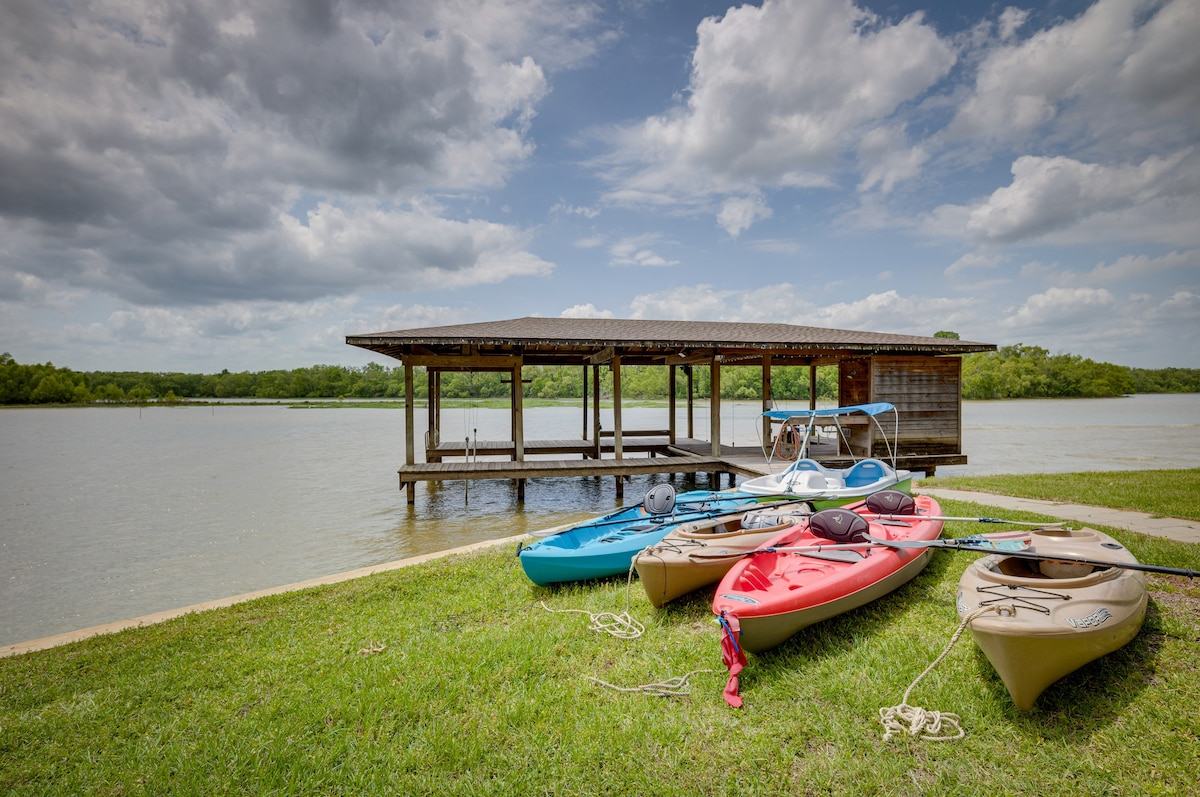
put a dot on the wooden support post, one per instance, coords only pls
(691, 407)
(596, 410)
(671, 404)
(618, 453)
(766, 401)
(518, 414)
(714, 404)
(410, 429)
(585, 402)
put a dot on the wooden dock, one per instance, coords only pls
(455, 462)
(657, 455)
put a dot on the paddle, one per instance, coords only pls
(1038, 524)
(998, 543)
(966, 544)
(682, 517)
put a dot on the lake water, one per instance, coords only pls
(111, 513)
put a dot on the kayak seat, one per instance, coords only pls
(865, 472)
(891, 502)
(761, 520)
(839, 525)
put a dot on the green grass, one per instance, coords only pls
(451, 678)
(1169, 493)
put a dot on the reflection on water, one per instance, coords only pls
(109, 513)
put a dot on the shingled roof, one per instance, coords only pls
(563, 341)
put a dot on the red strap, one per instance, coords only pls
(733, 656)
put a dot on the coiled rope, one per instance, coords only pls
(915, 720)
(622, 625)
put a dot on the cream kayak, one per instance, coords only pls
(1039, 620)
(670, 567)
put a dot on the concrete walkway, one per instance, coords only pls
(1171, 528)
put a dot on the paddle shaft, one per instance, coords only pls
(877, 516)
(874, 542)
(1048, 557)
(674, 519)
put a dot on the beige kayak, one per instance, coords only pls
(1039, 620)
(668, 568)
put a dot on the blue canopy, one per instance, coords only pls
(868, 409)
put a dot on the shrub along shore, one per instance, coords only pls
(459, 676)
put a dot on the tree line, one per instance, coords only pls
(1010, 372)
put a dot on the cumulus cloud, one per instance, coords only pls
(886, 159)
(737, 214)
(1051, 195)
(777, 94)
(156, 151)
(1141, 266)
(1108, 326)
(588, 310)
(1060, 306)
(1122, 67)
(637, 251)
(788, 303)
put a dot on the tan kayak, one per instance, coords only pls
(668, 570)
(1039, 620)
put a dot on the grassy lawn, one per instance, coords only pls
(1169, 493)
(452, 677)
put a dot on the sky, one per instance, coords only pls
(200, 185)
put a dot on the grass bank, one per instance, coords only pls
(459, 676)
(1168, 493)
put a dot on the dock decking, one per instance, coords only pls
(657, 456)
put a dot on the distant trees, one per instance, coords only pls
(1032, 372)
(1018, 371)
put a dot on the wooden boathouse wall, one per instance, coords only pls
(927, 394)
(920, 375)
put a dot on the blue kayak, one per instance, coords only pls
(605, 546)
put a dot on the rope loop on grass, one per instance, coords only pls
(622, 625)
(669, 688)
(914, 720)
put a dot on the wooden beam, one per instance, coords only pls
(603, 356)
(470, 362)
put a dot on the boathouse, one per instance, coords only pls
(921, 376)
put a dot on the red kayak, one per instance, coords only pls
(768, 596)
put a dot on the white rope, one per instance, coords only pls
(622, 625)
(668, 688)
(915, 720)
